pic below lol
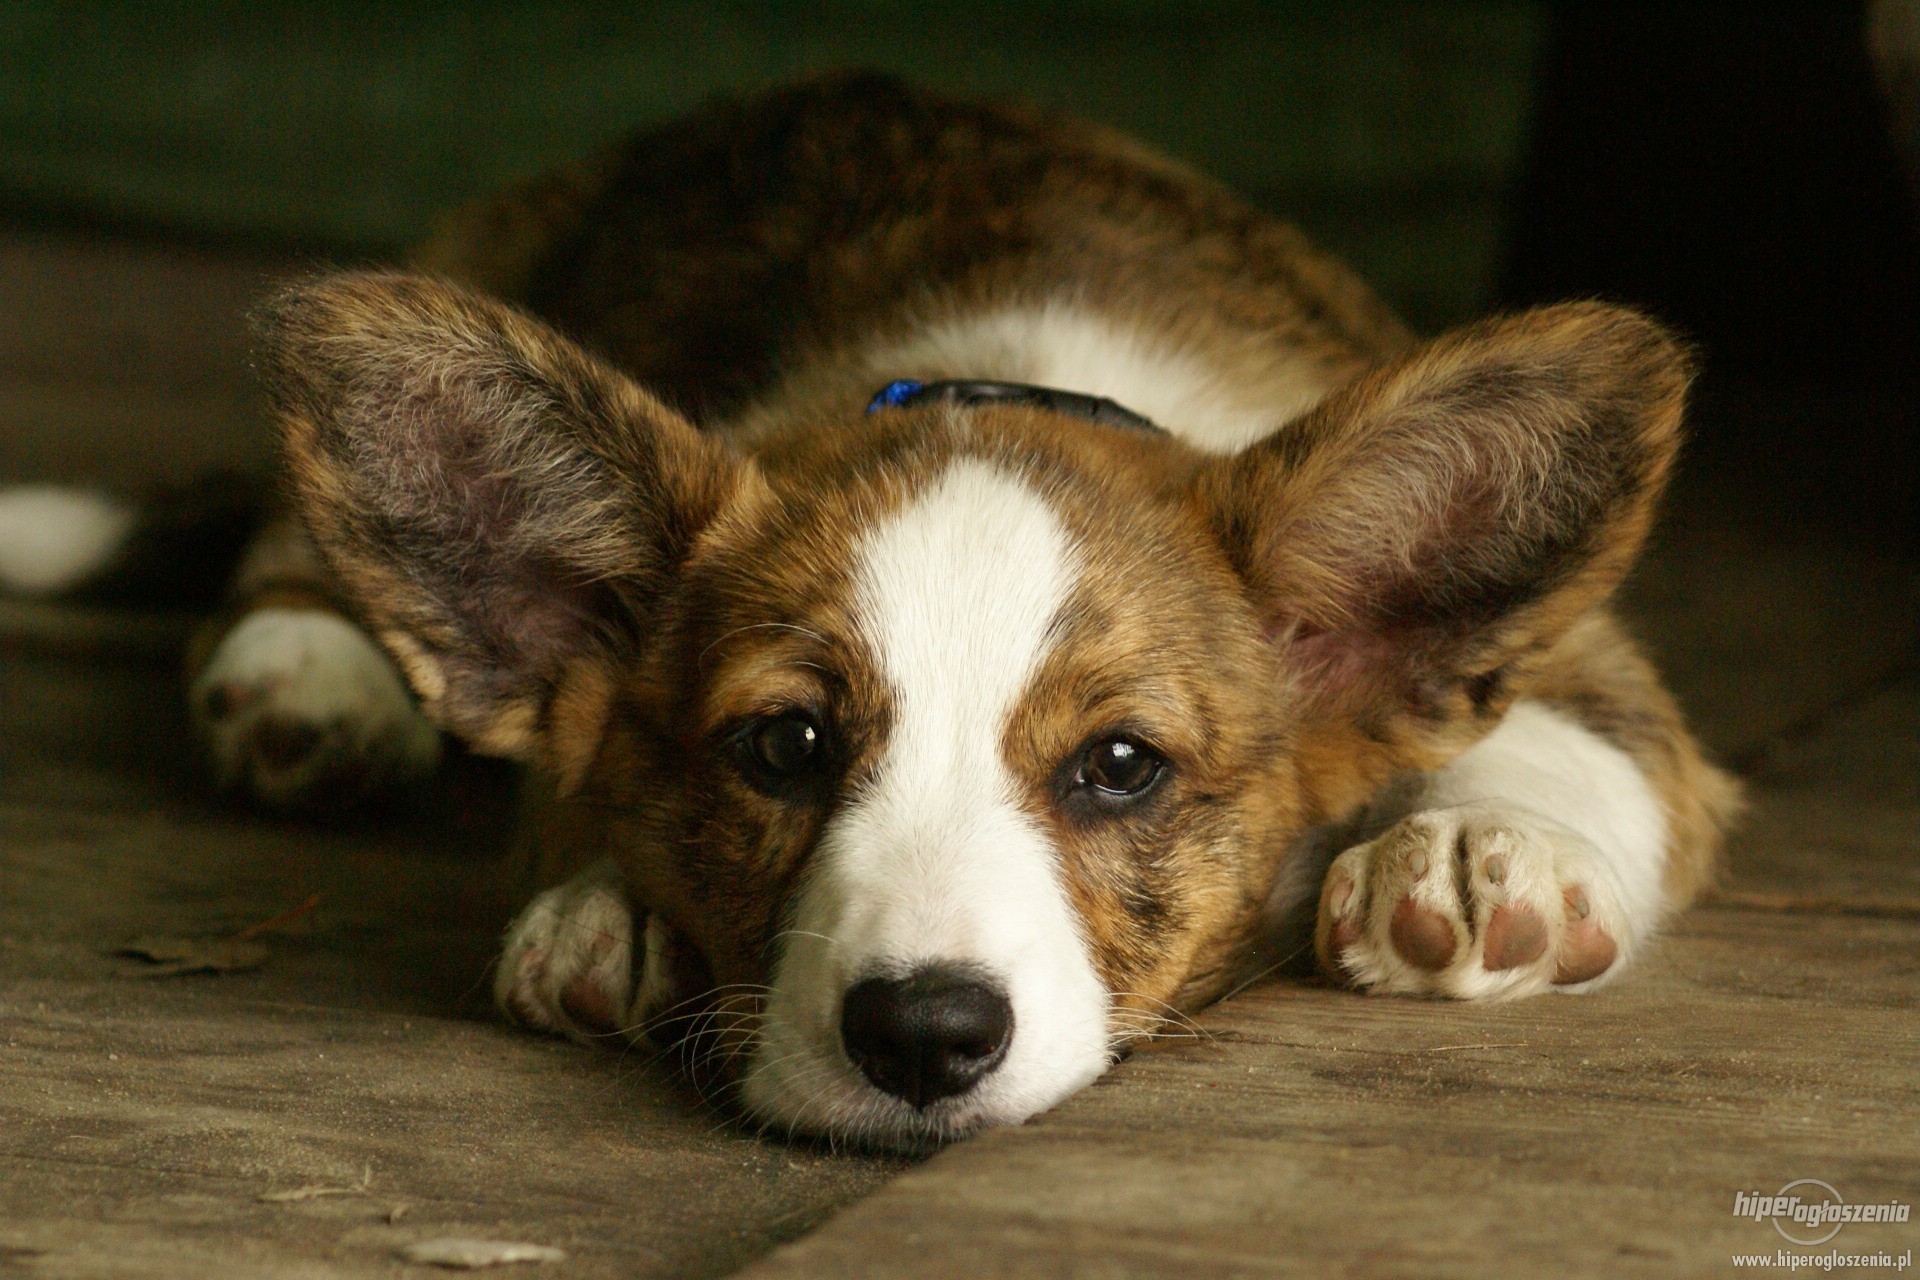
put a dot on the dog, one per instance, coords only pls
(976, 591)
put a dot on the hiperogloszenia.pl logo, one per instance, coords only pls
(1809, 1212)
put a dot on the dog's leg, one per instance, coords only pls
(1534, 860)
(582, 961)
(294, 705)
(1544, 856)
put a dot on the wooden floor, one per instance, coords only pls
(313, 1116)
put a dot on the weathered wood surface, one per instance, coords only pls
(141, 1125)
(1834, 815)
(1313, 1132)
(1765, 623)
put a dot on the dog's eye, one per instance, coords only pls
(780, 751)
(1120, 767)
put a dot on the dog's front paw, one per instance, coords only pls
(569, 965)
(298, 709)
(1476, 902)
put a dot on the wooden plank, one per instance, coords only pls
(1315, 1132)
(1836, 809)
(37, 627)
(141, 1124)
(1760, 626)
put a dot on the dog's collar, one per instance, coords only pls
(906, 392)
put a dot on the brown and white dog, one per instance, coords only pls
(936, 752)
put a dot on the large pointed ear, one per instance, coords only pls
(506, 510)
(1432, 529)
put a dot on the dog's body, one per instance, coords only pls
(936, 751)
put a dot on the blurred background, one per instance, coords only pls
(1745, 171)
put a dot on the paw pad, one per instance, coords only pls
(1587, 950)
(1423, 937)
(590, 1005)
(1515, 936)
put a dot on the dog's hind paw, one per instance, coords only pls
(570, 965)
(299, 710)
(1475, 902)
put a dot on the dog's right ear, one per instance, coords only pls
(1422, 539)
(506, 510)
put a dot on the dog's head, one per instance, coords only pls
(968, 739)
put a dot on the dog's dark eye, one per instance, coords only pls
(1120, 767)
(782, 751)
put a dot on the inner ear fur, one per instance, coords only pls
(1429, 530)
(506, 510)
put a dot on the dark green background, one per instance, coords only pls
(1391, 131)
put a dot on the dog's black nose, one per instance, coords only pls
(927, 1036)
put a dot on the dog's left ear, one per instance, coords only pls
(508, 512)
(1427, 531)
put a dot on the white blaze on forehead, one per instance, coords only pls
(956, 595)
(935, 861)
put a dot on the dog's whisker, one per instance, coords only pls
(658, 1024)
(1164, 1015)
(1271, 969)
(747, 990)
(805, 933)
(732, 1010)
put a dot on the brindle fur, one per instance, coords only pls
(607, 580)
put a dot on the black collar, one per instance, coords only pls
(906, 392)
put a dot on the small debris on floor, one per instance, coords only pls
(471, 1255)
(171, 957)
(298, 1194)
(174, 957)
(319, 1191)
(292, 915)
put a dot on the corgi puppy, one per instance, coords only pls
(975, 590)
